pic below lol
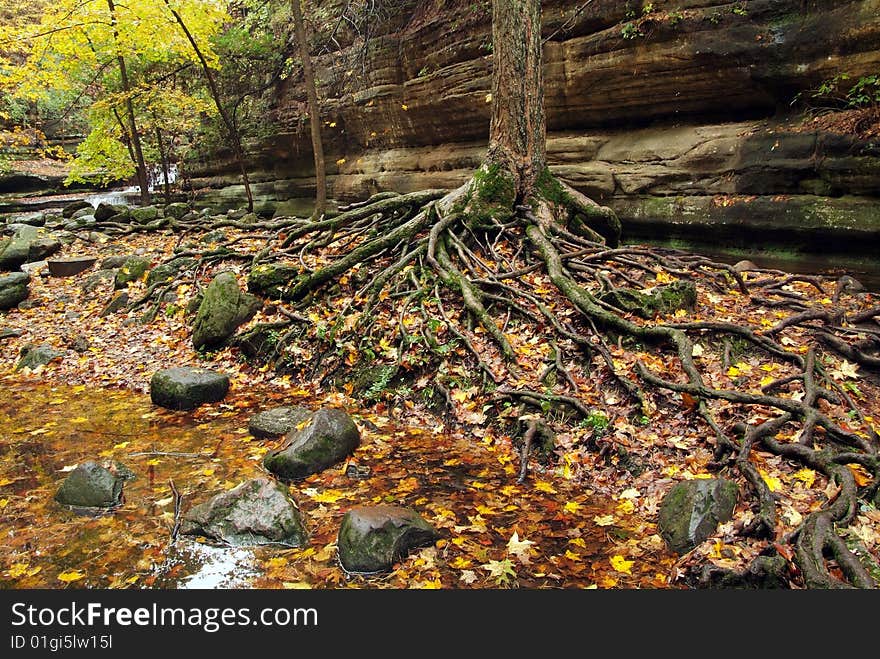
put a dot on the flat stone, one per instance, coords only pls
(277, 421)
(68, 267)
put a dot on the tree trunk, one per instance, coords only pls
(232, 131)
(140, 165)
(517, 133)
(314, 111)
(165, 169)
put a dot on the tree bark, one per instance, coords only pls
(517, 133)
(135, 137)
(314, 111)
(232, 131)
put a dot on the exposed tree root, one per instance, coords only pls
(461, 274)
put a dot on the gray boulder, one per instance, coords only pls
(223, 309)
(277, 421)
(73, 207)
(92, 485)
(132, 269)
(256, 512)
(16, 250)
(33, 357)
(43, 247)
(691, 511)
(373, 538)
(185, 388)
(113, 262)
(106, 211)
(330, 437)
(13, 289)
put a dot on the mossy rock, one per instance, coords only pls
(185, 388)
(257, 512)
(13, 289)
(272, 280)
(223, 308)
(277, 421)
(93, 485)
(177, 210)
(329, 438)
(691, 511)
(132, 269)
(373, 538)
(144, 214)
(168, 271)
(32, 357)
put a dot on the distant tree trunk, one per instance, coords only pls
(314, 111)
(232, 131)
(517, 133)
(163, 154)
(140, 165)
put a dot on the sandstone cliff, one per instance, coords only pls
(675, 117)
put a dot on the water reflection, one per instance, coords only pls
(206, 566)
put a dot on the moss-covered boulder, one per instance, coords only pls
(32, 357)
(13, 289)
(224, 307)
(328, 438)
(271, 279)
(144, 214)
(167, 271)
(93, 485)
(277, 421)
(373, 538)
(132, 269)
(15, 251)
(691, 511)
(257, 512)
(177, 210)
(185, 387)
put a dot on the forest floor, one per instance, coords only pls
(586, 515)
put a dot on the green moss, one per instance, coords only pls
(550, 189)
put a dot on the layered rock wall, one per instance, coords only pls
(676, 116)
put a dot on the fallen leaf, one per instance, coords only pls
(519, 548)
(620, 564)
(72, 575)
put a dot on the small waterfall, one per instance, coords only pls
(131, 194)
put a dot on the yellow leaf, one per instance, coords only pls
(626, 507)
(571, 507)
(620, 564)
(733, 371)
(806, 476)
(276, 562)
(4, 503)
(862, 475)
(329, 496)
(18, 569)
(79, 419)
(772, 482)
(208, 472)
(570, 555)
(120, 445)
(544, 486)
(578, 542)
(6, 481)
(296, 585)
(404, 107)
(460, 563)
(664, 277)
(630, 493)
(488, 98)
(604, 520)
(72, 575)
